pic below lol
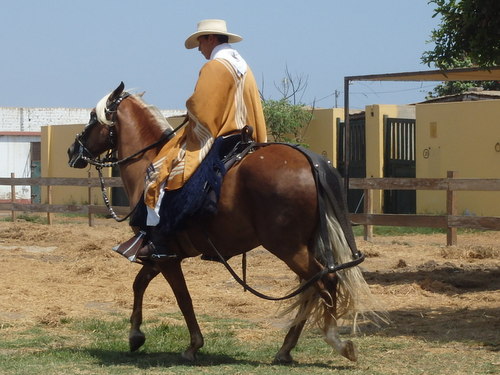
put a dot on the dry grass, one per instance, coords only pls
(443, 304)
(470, 252)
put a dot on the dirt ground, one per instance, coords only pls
(430, 291)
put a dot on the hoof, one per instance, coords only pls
(189, 355)
(349, 351)
(283, 359)
(136, 341)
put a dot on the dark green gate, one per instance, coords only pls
(357, 159)
(36, 171)
(399, 161)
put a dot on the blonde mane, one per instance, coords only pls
(101, 108)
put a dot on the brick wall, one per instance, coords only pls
(31, 119)
(17, 119)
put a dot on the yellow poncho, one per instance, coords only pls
(222, 102)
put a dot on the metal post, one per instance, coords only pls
(347, 154)
(49, 202)
(91, 202)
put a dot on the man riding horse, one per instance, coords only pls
(282, 197)
(225, 99)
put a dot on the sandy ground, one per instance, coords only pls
(68, 270)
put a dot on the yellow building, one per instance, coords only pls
(321, 136)
(458, 136)
(55, 141)
(462, 137)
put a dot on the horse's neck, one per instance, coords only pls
(136, 133)
(133, 174)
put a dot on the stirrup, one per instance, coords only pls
(151, 252)
(157, 256)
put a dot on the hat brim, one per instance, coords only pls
(192, 40)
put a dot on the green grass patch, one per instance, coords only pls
(99, 347)
(403, 231)
(31, 218)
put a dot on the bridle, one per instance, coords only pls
(109, 160)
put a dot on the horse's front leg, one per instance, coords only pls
(172, 272)
(136, 337)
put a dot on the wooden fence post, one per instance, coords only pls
(90, 214)
(451, 210)
(368, 208)
(13, 196)
(49, 202)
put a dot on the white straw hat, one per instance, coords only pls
(207, 27)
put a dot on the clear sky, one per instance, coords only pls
(70, 53)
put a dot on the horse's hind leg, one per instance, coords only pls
(283, 356)
(136, 337)
(305, 266)
(324, 293)
(329, 326)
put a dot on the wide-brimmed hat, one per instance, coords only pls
(207, 27)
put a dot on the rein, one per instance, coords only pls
(109, 161)
(331, 268)
(105, 198)
(105, 164)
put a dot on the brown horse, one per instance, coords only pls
(270, 198)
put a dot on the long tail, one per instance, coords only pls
(353, 296)
(353, 293)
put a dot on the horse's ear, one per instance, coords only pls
(115, 94)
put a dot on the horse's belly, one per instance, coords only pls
(271, 194)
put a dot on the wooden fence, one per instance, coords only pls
(449, 221)
(89, 209)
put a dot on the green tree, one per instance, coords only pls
(286, 121)
(469, 35)
(287, 118)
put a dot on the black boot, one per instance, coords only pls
(155, 248)
(130, 247)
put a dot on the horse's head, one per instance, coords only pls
(99, 134)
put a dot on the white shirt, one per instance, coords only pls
(226, 52)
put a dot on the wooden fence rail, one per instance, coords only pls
(90, 209)
(450, 221)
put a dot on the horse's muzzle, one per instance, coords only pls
(75, 154)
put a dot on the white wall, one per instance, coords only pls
(15, 158)
(31, 119)
(15, 148)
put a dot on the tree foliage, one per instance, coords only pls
(470, 29)
(286, 121)
(469, 35)
(286, 118)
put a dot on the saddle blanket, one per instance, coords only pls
(198, 196)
